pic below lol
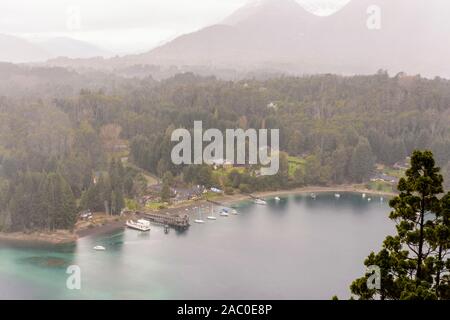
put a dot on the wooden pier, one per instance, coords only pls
(176, 221)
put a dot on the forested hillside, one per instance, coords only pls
(55, 143)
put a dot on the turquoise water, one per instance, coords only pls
(298, 248)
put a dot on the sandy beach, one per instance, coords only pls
(190, 207)
(230, 199)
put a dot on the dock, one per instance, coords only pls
(176, 221)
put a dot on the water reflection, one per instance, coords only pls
(278, 251)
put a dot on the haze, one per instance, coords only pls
(123, 26)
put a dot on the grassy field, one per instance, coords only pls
(156, 205)
(380, 186)
(294, 163)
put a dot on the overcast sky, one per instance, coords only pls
(123, 26)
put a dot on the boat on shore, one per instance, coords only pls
(224, 213)
(140, 225)
(235, 212)
(99, 248)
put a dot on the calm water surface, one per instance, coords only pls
(298, 248)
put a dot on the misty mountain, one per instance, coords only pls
(71, 48)
(18, 50)
(281, 35)
(14, 49)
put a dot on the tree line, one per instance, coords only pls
(340, 127)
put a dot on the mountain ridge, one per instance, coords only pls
(283, 36)
(18, 50)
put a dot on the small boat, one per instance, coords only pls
(234, 211)
(260, 202)
(381, 199)
(199, 220)
(369, 199)
(166, 229)
(363, 195)
(337, 195)
(99, 248)
(277, 199)
(140, 225)
(313, 195)
(224, 213)
(212, 217)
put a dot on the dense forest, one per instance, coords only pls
(62, 138)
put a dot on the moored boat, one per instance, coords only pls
(212, 216)
(260, 202)
(141, 225)
(224, 213)
(199, 220)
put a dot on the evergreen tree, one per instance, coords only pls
(69, 207)
(90, 199)
(442, 244)
(362, 161)
(412, 262)
(165, 192)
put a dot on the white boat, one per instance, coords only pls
(381, 199)
(99, 248)
(141, 225)
(234, 211)
(224, 213)
(199, 220)
(313, 195)
(260, 202)
(277, 199)
(363, 195)
(369, 199)
(212, 216)
(337, 195)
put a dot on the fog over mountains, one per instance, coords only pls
(282, 36)
(14, 49)
(18, 50)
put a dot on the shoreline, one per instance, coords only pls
(66, 237)
(39, 238)
(303, 190)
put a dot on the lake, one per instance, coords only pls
(297, 248)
